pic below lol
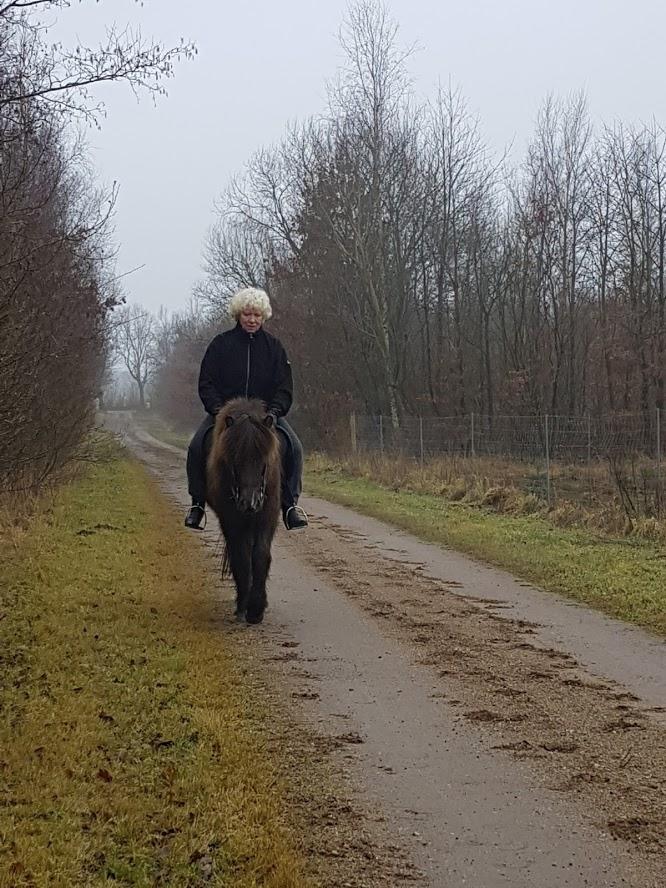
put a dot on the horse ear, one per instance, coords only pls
(269, 420)
(228, 421)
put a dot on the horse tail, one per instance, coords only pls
(226, 562)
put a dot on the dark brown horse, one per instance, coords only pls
(243, 483)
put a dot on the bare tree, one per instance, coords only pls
(603, 221)
(364, 160)
(236, 254)
(57, 283)
(40, 71)
(396, 247)
(135, 342)
(175, 377)
(462, 181)
(53, 251)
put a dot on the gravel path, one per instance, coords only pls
(503, 737)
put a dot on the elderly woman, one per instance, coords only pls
(247, 362)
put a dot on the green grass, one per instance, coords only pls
(129, 752)
(624, 578)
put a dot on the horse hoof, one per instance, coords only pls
(254, 618)
(240, 616)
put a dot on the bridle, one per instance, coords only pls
(235, 489)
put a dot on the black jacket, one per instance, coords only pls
(246, 365)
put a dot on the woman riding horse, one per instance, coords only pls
(247, 362)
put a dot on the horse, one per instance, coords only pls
(243, 479)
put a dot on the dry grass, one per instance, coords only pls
(585, 496)
(19, 505)
(128, 751)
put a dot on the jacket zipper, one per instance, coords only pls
(247, 378)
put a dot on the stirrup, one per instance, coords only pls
(300, 511)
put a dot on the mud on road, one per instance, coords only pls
(476, 747)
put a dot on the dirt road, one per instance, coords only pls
(505, 738)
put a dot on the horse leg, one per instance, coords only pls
(261, 565)
(240, 561)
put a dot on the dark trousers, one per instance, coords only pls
(292, 461)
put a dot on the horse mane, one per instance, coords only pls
(247, 437)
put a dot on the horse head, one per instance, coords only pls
(245, 455)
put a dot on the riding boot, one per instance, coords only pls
(294, 518)
(293, 515)
(195, 516)
(197, 454)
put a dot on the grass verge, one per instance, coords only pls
(128, 750)
(624, 578)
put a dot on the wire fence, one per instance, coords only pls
(618, 455)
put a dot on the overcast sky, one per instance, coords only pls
(262, 64)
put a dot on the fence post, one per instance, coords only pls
(589, 457)
(421, 438)
(352, 426)
(381, 434)
(472, 434)
(659, 479)
(548, 493)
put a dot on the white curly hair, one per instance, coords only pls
(250, 297)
